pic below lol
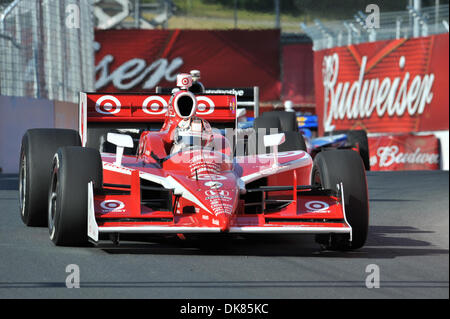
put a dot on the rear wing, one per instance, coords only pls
(247, 97)
(106, 111)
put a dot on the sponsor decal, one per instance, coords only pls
(112, 206)
(107, 104)
(205, 177)
(218, 194)
(317, 206)
(204, 105)
(213, 184)
(223, 91)
(204, 167)
(221, 208)
(155, 105)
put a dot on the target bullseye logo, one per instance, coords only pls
(108, 104)
(184, 80)
(158, 105)
(112, 205)
(204, 105)
(316, 205)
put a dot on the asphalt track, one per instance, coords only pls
(408, 242)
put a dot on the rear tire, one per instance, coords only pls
(331, 168)
(73, 169)
(37, 150)
(358, 137)
(288, 120)
(294, 142)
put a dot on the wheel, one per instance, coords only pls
(288, 120)
(358, 137)
(37, 150)
(331, 168)
(294, 142)
(73, 168)
(294, 139)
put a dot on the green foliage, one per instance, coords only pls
(331, 8)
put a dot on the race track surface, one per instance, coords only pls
(408, 242)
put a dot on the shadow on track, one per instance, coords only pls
(384, 242)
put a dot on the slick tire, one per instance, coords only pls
(288, 120)
(73, 168)
(358, 137)
(36, 154)
(294, 142)
(331, 168)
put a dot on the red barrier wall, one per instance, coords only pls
(140, 60)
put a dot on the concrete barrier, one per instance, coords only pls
(18, 114)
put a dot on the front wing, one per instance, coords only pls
(309, 212)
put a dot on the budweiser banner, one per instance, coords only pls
(140, 60)
(386, 86)
(404, 152)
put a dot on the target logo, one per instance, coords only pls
(112, 206)
(108, 104)
(184, 80)
(204, 105)
(316, 205)
(155, 105)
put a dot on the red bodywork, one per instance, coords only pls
(202, 190)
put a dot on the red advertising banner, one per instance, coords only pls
(140, 60)
(404, 152)
(298, 74)
(386, 86)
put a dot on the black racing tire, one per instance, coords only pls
(294, 141)
(36, 154)
(267, 125)
(288, 120)
(330, 168)
(73, 168)
(358, 137)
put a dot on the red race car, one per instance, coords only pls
(183, 178)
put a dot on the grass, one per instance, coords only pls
(194, 14)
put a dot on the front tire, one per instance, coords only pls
(73, 169)
(331, 168)
(37, 150)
